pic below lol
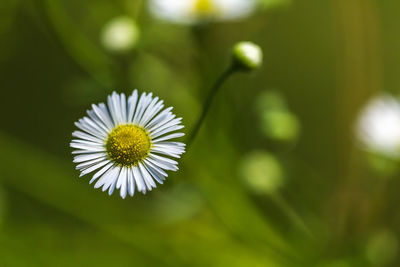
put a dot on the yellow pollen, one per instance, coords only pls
(204, 7)
(128, 144)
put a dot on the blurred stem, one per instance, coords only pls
(124, 71)
(290, 213)
(81, 49)
(360, 75)
(207, 104)
(202, 58)
(139, 4)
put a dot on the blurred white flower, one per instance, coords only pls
(120, 34)
(378, 127)
(197, 11)
(128, 143)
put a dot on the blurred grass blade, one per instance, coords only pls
(85, 52)
(230, 201)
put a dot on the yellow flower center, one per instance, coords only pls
(204, 7)
(127, 145)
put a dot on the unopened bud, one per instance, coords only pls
(247, 55)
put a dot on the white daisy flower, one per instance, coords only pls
(128, 143)
(195, 11)
(378, 128)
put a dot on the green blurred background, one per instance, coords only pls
(273, 179)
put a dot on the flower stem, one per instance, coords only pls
(207, 104)
(291, 213)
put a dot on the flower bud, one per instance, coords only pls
(120, 34)
(247, 56)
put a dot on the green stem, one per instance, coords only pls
(138, 6)
(290, 213)
(207, 104)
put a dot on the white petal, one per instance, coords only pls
(157, 108)
(132, 101)
(131, 183)
(144, 101)
(147, 178)
(86, 128)
(95, 126)
(89, 148)
(168, 137)
(122, 182)
(159, 178)
(102, 112)
(108, 177)
(158, 169)
(90, 162)
(162, 162)
(166, 152)
(112, 187)
(167, 130)
(85, 136)
(167, 119)
(151, 110)
(123, 108)
(94, 167)
(113, 105)
(174, 144)
(86, 142)
(171, 161)
(111, 181)
(121, 177)
(138, 179)
(82, 158)
(86, 151)
(159, 128)
(116, 99)
(139, 107)
(124, 189)
(165, 114)
(101, 172)
(171, 148)
(97, 120)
